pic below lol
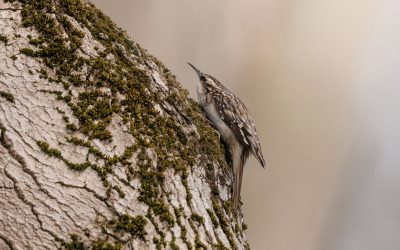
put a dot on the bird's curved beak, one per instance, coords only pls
(195, 69)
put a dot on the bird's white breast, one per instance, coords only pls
(212, 114)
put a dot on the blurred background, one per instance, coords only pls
(321, 79)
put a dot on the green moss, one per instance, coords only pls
(197, 218)
(60, 112)
(119, 191)
(227, 206)
(3, 39)
(172, 244)
(223, 222)
(36, 41)
(92, 150)
(2, 133)
(185, 175)
(199, 244)
(8, 96)
(105, 245)
(75, 244)
(160, 242)
(97, 131)
(71, 126)
(45, 147)
(79, 166)
(237, 229)
(178, 214)
(150, 192)
(135, 226)
(220, 246)
(27, 51)
(184, 237)
(216, 224)
(66, 119)
(14, 57)
(94, 112)
(214, 219)
(161, 209)
(102, 171)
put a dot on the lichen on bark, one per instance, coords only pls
(117, 153)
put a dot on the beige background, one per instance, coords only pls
(321, 79)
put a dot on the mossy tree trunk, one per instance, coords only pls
(100, 147)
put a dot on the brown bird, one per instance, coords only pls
(234, 124)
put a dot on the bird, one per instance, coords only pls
(233, 122)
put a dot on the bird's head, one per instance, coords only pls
(207, 82)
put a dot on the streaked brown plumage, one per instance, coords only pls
(234, 123)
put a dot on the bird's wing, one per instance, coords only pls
(235, 114)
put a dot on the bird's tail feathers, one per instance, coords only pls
(260, 158)
(238, 165)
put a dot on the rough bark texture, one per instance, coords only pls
(100, 146)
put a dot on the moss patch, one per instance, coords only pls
(172, 244)
(3, 39)
(135, 226)
(197, 218)
(76, 243)
(159, 242)
(8, 96)
(223, 222)
(178, 214)
(105, 245)
(45, 147)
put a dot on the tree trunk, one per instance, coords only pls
(100, 147)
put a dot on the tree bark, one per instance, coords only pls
(101, 148)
